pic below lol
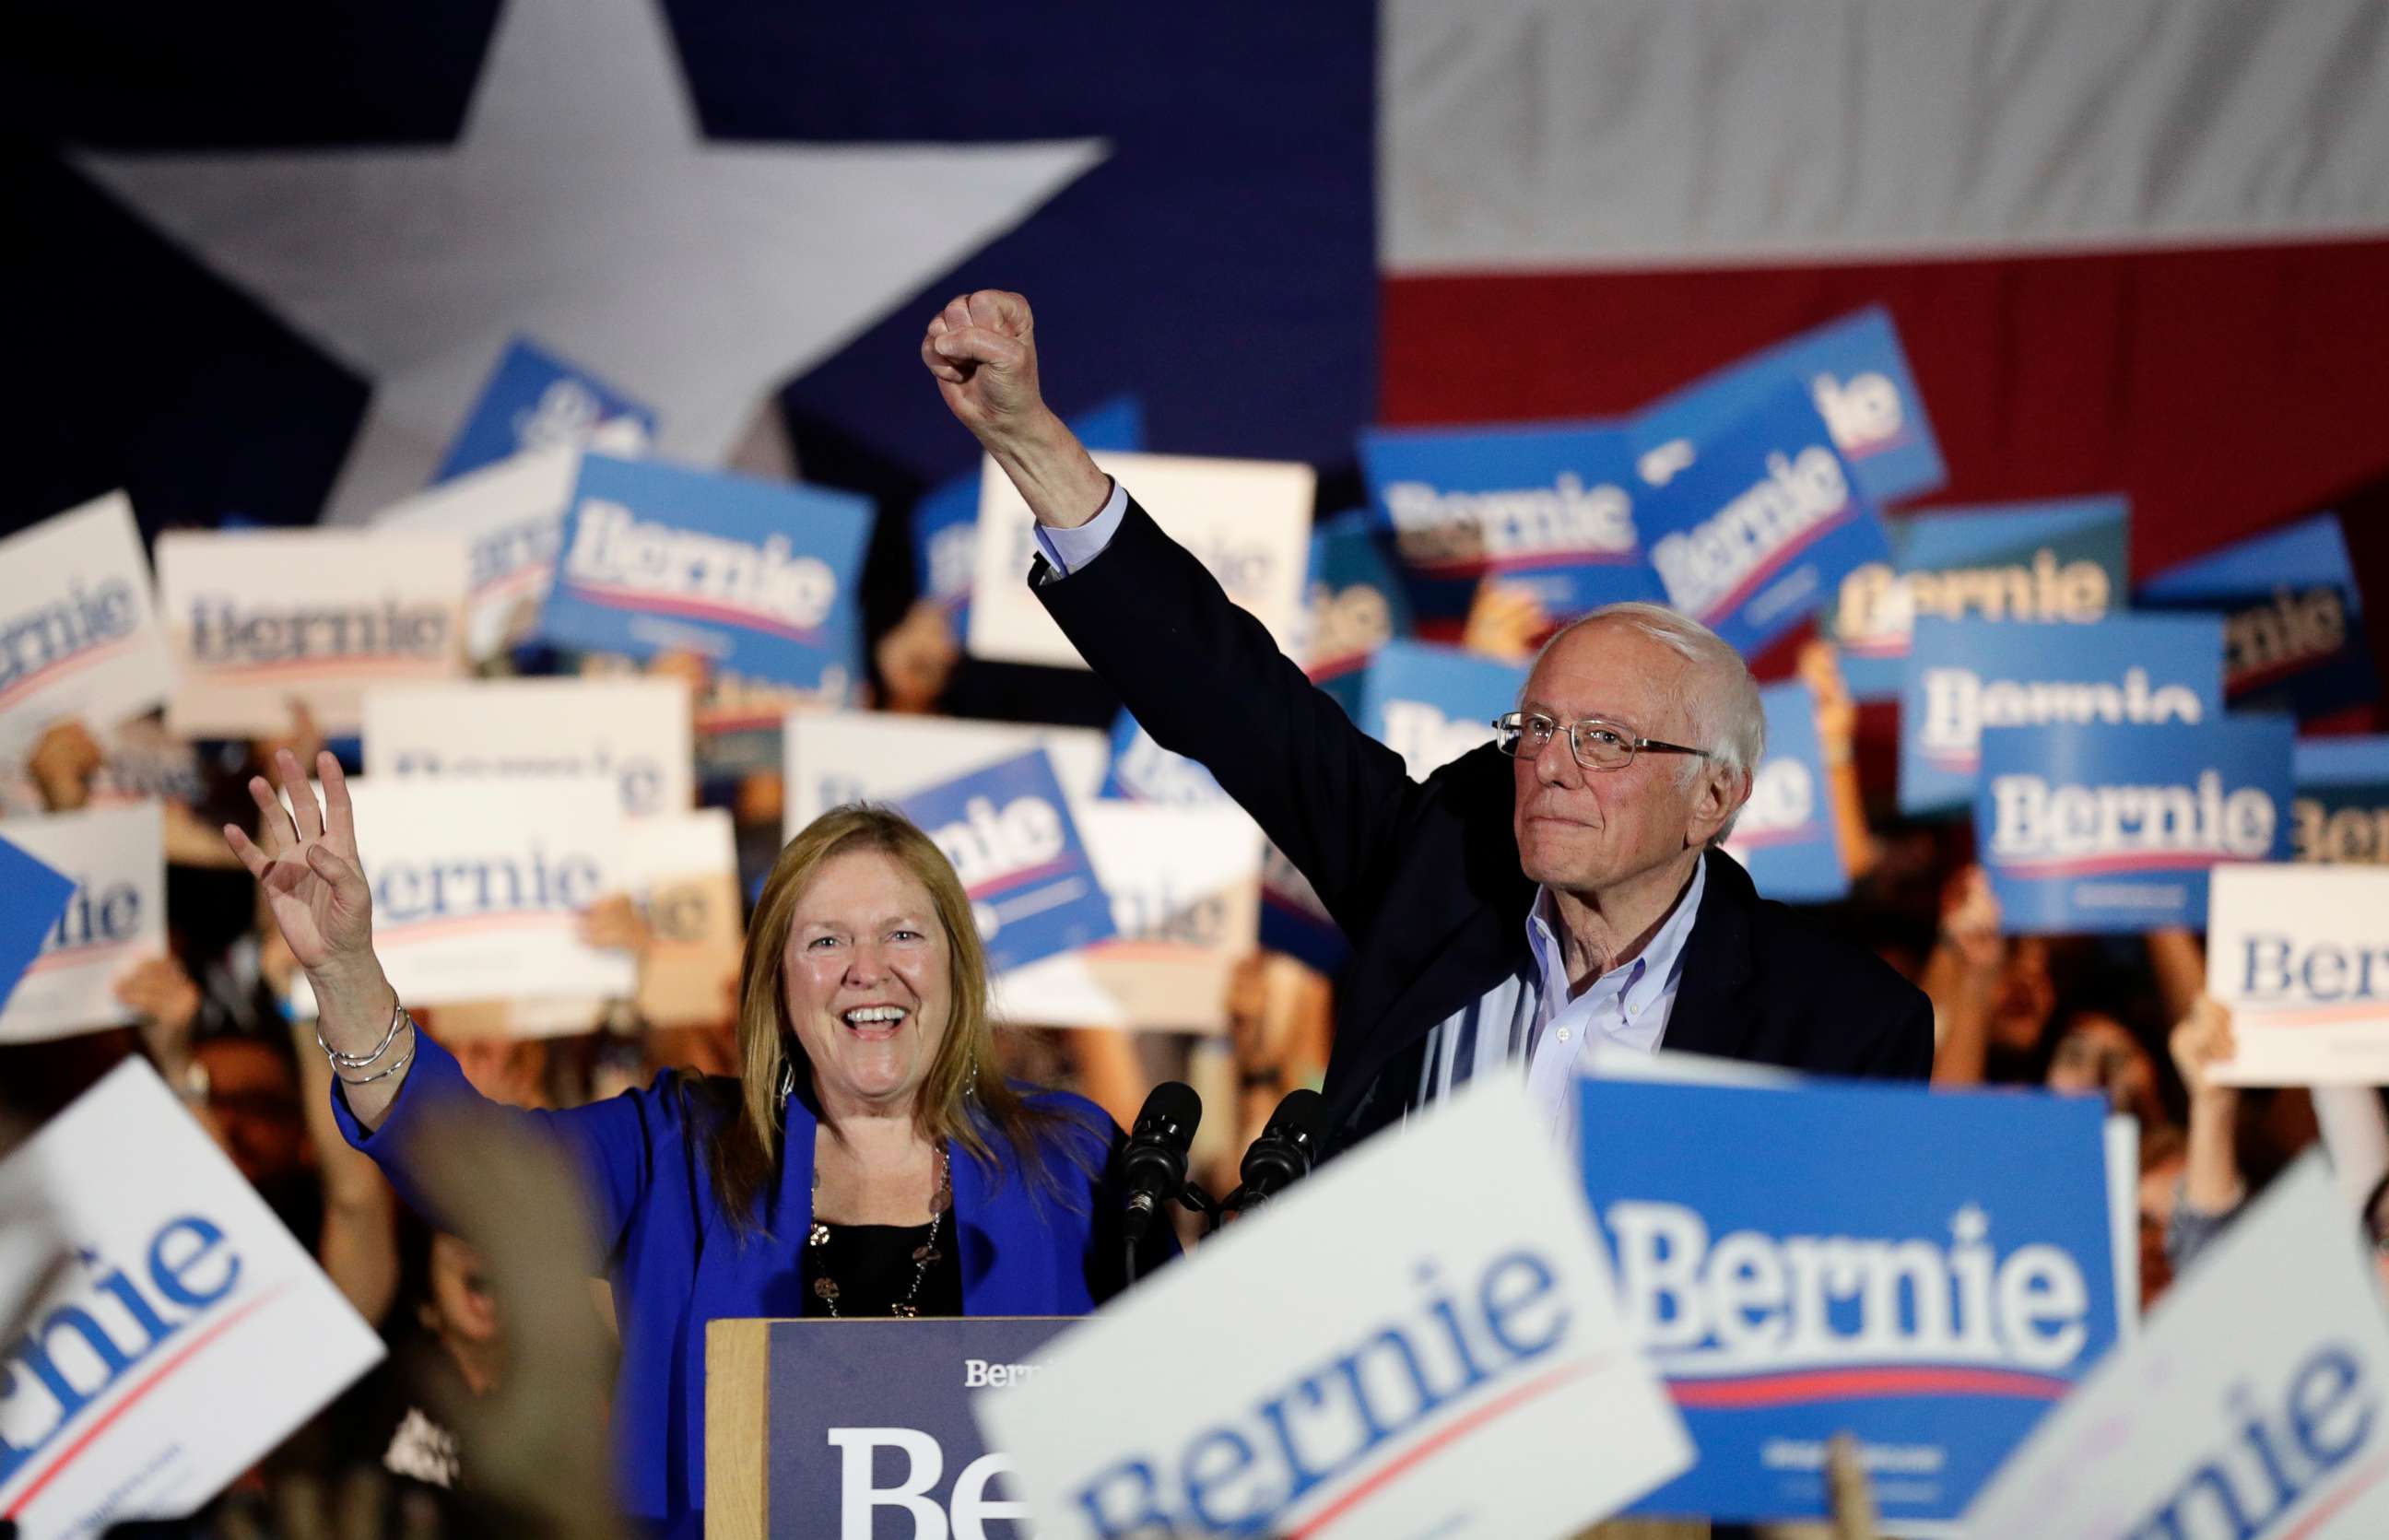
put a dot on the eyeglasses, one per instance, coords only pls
(1597, 743)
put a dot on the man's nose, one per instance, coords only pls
(1555, 761)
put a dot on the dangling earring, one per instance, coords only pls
(787, 1083)
(970, 1092)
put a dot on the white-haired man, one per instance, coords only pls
(1557, 885)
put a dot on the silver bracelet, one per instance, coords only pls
(358, 1060)
(404, 1059)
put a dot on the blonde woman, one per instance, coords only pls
(869, 1162)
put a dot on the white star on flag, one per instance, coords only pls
(581, 206)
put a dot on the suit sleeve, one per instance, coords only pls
(1206, 680)
(1904, 1051)
(611, 1143)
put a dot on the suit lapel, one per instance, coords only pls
(1713, 1013)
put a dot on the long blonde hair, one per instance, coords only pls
(964, 1098)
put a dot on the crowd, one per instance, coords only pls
(439, 1439)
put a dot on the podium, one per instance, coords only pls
(810, 1423)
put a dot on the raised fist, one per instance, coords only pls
(983, 349)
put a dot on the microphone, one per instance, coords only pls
(1287, 1148)
(1153, 1163)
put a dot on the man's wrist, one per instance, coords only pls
(1053, 471)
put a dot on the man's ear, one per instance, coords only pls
(1719, 794)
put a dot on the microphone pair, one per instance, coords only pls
(1153, 1164)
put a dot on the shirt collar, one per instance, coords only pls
(1659, 959)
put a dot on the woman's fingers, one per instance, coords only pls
(341, 814)
(246, 848)
(304, 811)
(274, 828)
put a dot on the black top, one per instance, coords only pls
(873, 1265)
(1423, 878)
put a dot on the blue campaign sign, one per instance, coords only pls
(1007, 829)
(2293, 618)
(1855, 371)
(2066, 559)
(1142, 770)
(2113, 829)
(1788, 834)
(1549, 508)
(2342, 813)
(945, 522)
(758, 576)
(866, 1423)
(32, 896)
(1432, 704)
(1355, 604)
(1927, 1272)
(1963, 676)
(1756, 532)
(534, 399)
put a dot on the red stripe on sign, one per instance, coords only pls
(2358, 1484)
(1851, 1384)
(2224, 388)
(644, 603)
(1767, 571)
(64, 667)
(1460, 1428)
(189, 1350)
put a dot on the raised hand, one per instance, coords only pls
(307, 864)
(2201, 1041)
(982, 350)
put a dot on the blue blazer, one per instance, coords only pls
(676, 1264)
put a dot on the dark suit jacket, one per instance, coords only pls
(1423, 878)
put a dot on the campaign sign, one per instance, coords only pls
(2342, 810)
(1248, 522)
(116, 917)
(1356, 605)
(834, 757)
(1856, 375)
(631, 733)
(259, 616)
(1455, 1366)
(2293, 618)
(478, 886)
(2115, 828)
(511, 515)
(1928, 1273)
(1142, 770)
(1432, 704)
(2301, 955)
(536, 400)
(1757, 533)
(862, 1429)
(1007, 830)
(2251, 1407)
(1788, 834)
(2066, 559)
(682, 871)
(79, 638)
(33, 899)
(945, 522)
(184, 1334)
(1548, 508)
(1184, 886)
(1963, 676)
(750, 575)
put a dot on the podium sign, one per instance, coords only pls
(859, 1428)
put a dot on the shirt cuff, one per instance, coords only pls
(1068, 550)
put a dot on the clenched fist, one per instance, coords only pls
(982, 347)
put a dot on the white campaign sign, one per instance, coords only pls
(834, 757)
(1185, 891)
(2250, 1405)
(185, 1334)
(258, 617)
(117, 917)
(633, 733)
(2301, 954)
(479, 887)
(1452, 1364)
(684, 871)
(1248, 521)
(511, 515)
(79, 636)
